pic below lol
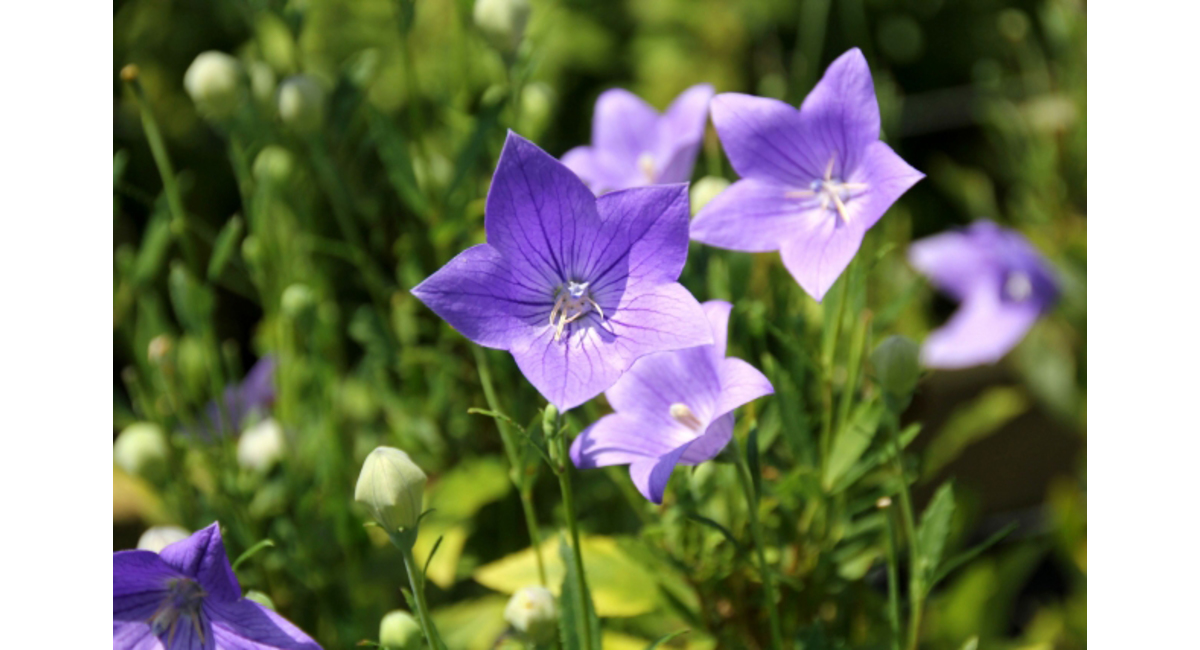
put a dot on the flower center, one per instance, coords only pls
(832, 192)
(572, 302)
(645, 163)
(183, 601)
(1018, 287)
(683, 415)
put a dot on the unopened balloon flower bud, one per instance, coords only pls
(302, 103)
(706, 189)
(141, 450)
(897, 365)
(213, 82)
(400, 631)
(391, 486)
(297, 300)
(261, 446)
(531, 611)
(273, 164)
(502, 21)
(156, 538)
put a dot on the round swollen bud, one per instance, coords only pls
(391, 486)
(156, 538)
(273, 164)
(706, 189)
(531, 611)
(262, 82)
(261, 446)
(213, 82)
(502, 21)
(897, 365)
(141, 450)
(297, 300)
(400, 631)
(301, 102)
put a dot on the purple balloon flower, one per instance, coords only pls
(672, 408)
(814, 180)
(188, 598)
(576, 288)
(255, 394)
(633, 145)
(1002, 283)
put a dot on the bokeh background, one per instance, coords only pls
(300, 241)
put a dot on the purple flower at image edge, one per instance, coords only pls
(1003, 284)
(633, 145)
(254, 395)
(814, 180)
(575, 287)
(187, 598)
(672, 408)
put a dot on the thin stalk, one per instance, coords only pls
(830, 354)
(893, 569)
(516, 467)
(416, 582)
(858, 342)
(915, 581)
(756, 532)
(583, 621)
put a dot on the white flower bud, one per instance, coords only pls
(213, 81)
(141, 450)
(531, 611)
(156, 538)
(502, 21)
(400, 631)
(392, 488)
(706, 189)
(302, 103)
(261, 446)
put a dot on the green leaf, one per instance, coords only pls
(153, 251)
(473, 624)
(971, 553)
(266, 543)
(572, 629)
(875, 458)
(933, 531)
(980, 418)
(663, 639)
(971, 644)
(393, 151)
(227, 241)
(851, 441)
(701, 519)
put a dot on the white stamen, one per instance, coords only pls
(1018, 287)
(572, 303)
(831, 191)
(683, 415)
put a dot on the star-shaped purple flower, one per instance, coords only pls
(672, 408)
(187, 598)
(633, 145)
(576, 287)
(1002, 283)
(814, 180)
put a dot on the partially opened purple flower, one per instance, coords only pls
(813, 180)
(186, 597)
(254, 395)
(672, 408)
(576, 288)
(633, 145)
(1003, 283)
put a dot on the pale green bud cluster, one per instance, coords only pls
(141, 450)
(532, 612)
(392, 487)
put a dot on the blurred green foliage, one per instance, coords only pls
(296, 227)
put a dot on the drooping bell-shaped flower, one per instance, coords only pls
(672, 408)
(576, 287)
(187, 598)
(634, 145)
(814, 180)
(1001, 282)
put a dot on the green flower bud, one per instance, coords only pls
(156, 538)
(141, 450)
(302, 103)
(273, 164)
(392, 487)
(262, 82)
(213, 82)
(297, 300)
(261, 446)
(259, 597)
(705, 190)
(897, 366)
(400, 631)
(531, 611)
(502, 22)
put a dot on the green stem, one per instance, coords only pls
(583, 620)
(768, 577)
(830, 354)
(893, 569)
(516, 466)
(916, 587)
(858, 342)
(416, 581)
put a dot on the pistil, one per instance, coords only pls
(684, 415)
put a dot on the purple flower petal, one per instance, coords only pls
(202, 556)
(130, 635)
(887, 176)
(623, 124)
(139, 572)
(708, 445)
(680, 133)
(246, 625)
(620, 439)
(651, 475)
(841, 113)
(819, 254)
(741, 383)
(764, 139)
(982, 331)
(751, 215)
